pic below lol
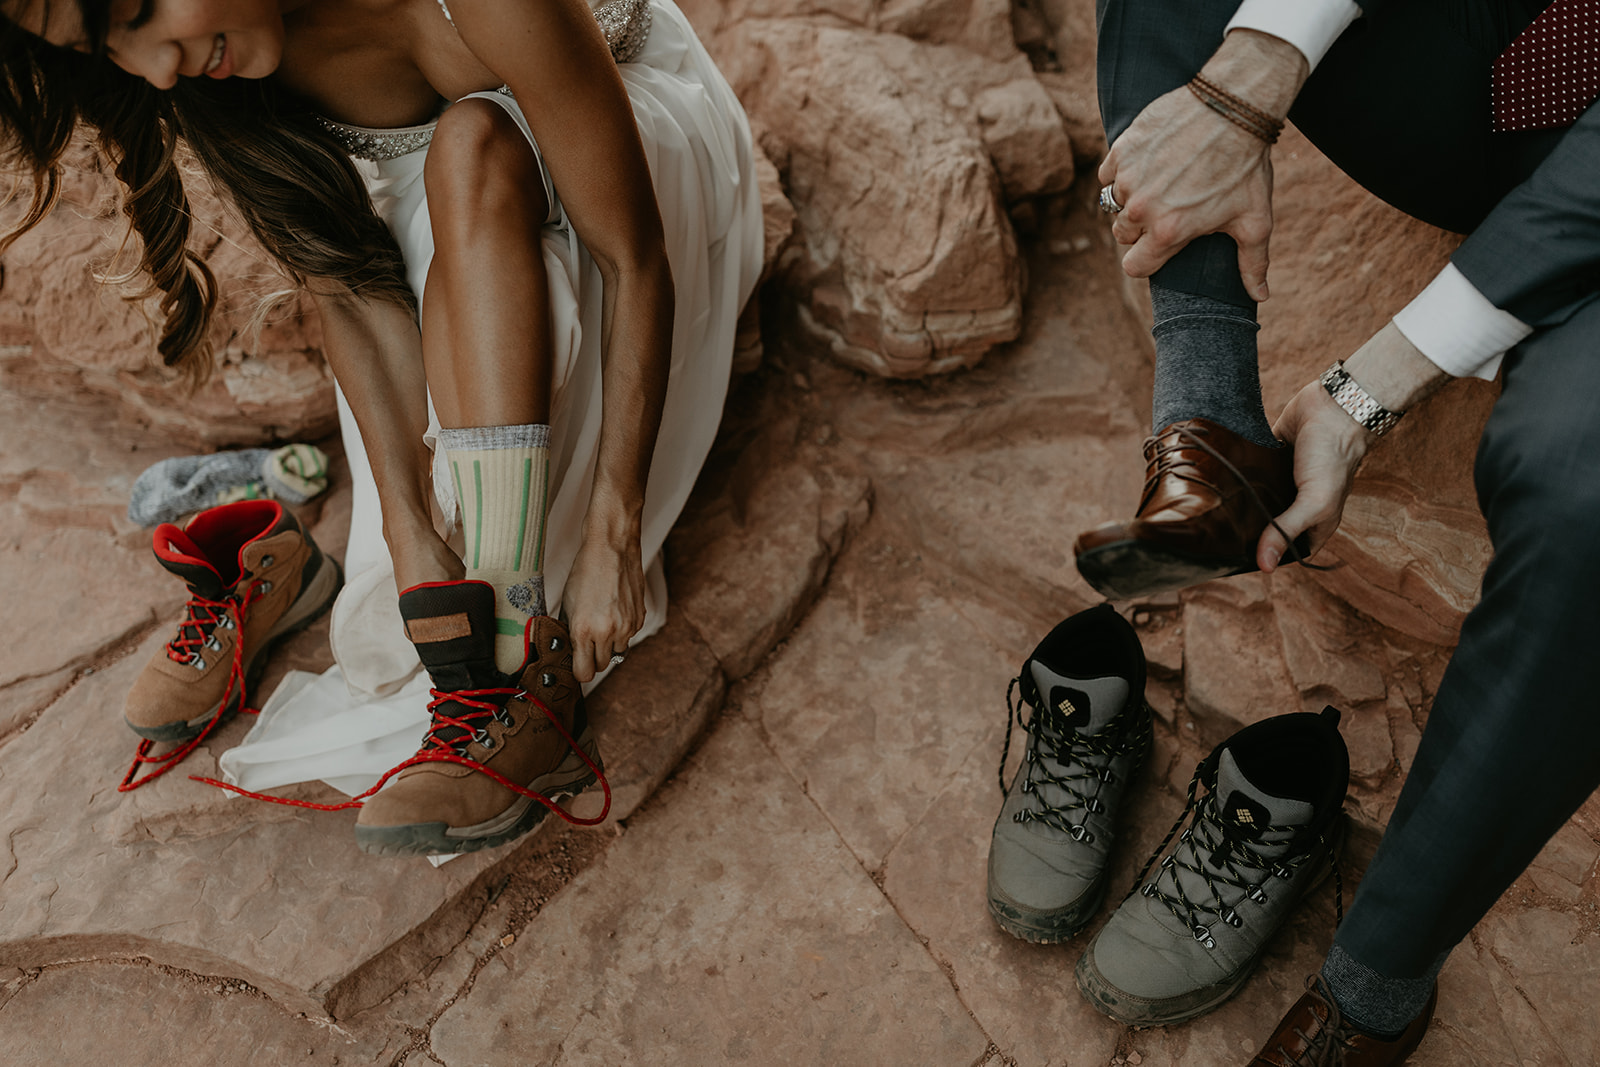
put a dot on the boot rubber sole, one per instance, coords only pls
(1046, 927)
(569, 779)
(312, 602)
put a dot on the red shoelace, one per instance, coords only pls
(436, 749)
(190, 643)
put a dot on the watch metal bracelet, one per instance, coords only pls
(1378, 419)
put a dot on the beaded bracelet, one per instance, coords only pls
(1243, 115)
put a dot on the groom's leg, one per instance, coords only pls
(1512, 744)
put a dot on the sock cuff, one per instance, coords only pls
(1185, 318)
(495, 438)
(1376, 1003)
(1167, 304)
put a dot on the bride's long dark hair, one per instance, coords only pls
(295, 187)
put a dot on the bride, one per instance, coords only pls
(529, 229)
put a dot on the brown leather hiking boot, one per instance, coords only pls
(501, 748)
(1315, 1034)
(1208, 495)
(254, 577)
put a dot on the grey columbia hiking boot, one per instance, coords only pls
(1261, 837)
(1087, 735)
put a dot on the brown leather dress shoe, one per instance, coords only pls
(1208, 494)
(1314, 1034)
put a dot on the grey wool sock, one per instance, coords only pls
(183, 485)
(1375, 1003)
(1206, 364)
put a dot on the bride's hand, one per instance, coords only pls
(604, 602)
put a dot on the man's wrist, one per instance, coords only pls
(1393, 371)
(1264, 70)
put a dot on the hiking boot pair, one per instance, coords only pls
(501, 749)
(1260, 836)
(255, 577)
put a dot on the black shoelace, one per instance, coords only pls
(1086, 761)
(1232, 868)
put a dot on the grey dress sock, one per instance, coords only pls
(1206, 364)
(1376, 1004)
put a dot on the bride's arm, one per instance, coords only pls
(555, 59)
(375, 352)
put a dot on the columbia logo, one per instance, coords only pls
(1065, 707)
(1243, 815)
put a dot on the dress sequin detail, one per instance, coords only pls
(626, 24)
(378, 145)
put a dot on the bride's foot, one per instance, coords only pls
(497, 743)
(1208, 495)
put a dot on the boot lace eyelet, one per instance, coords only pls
(547, 679)
(198, 663)
(555, 644)
(266, 561)
(266, 586)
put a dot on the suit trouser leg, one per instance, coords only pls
(1512, 745)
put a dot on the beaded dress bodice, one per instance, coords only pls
(625, 23)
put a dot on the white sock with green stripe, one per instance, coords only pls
(502, 477)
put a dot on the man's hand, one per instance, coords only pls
(1329, 445)
(1182, 170)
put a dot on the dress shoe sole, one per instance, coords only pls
(1129, 569)
(569, 779)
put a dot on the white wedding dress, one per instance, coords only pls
(368, 713)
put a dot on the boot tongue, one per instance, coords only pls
(177, 552)
(1250, 809)
(1086, 704)
(452, 625)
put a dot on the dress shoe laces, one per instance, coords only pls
(1232, 868)
(1165, 453)
(1086, 761)
(1327, 1044)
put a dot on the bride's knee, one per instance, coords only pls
(479, 161)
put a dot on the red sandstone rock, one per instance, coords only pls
(81, 334)
(1342, 264)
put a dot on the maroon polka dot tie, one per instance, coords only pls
(1550, 74)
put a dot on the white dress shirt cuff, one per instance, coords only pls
(1457, 328)
(1310, 25)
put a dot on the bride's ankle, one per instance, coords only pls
(423, 559)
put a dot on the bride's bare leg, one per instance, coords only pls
(486, 310)
(487, 350)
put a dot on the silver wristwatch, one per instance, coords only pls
(1378, 419)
